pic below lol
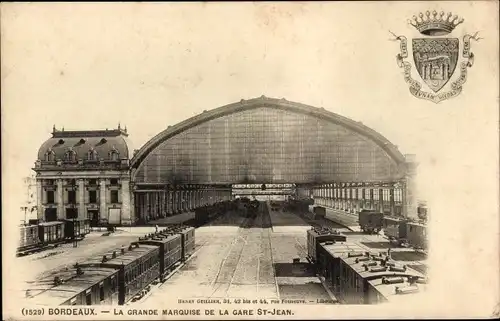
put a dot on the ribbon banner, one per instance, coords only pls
(415, 86)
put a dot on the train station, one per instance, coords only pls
(261, 197)
(345, 165)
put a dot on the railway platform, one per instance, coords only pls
(349, 220)
(239, 257)
(235, 257)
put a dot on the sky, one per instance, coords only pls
(148, 66)
(91, 66)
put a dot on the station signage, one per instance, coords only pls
(257, 192)
(258, 186)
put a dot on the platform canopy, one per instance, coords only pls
(267, 140)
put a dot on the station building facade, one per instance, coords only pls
(339, 162)
(84, 174)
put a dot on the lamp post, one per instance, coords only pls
(75, 240)
(73, 205)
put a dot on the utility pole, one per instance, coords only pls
(75, 240)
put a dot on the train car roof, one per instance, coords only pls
(159, 239)
(361, 270)
(126, 258)
(51, 223)
(323, 232)
(377, 257)
(342, 249)
(394, 218)
(339, 249)
(389, 290)
(45, 292)
(372, 213)
(185, 229)
(417, 224)
(173, 227)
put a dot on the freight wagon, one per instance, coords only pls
(118, 276)
(395, 229)
(317, 235)
(370, 221)
(38, 236)
(359, 277)
(417, 235)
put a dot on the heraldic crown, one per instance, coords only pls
(435, 25)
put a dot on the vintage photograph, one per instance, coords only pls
(214, 201)
(253, 160)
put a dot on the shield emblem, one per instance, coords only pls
(435, 60)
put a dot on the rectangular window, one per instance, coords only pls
(72, 197)
(92, 182)
(113, 181)
(88, 298)
(50, 197)
(114, 196)
(92, 197)
(113, 284)
(398, 195)
(101, 292)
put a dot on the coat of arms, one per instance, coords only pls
(436, 56)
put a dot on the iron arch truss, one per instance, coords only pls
(267, 140)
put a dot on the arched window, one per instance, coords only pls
(113, 154)
(92, 155)
(70, 155)
(50, 156)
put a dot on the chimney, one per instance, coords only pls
(57, 280)
(104, 259)
(114, 254)
(123, 250)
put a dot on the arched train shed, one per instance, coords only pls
(269, 141)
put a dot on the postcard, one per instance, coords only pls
(254, 160)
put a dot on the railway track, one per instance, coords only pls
(233, 269)
(223, 276)
(266, 226)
